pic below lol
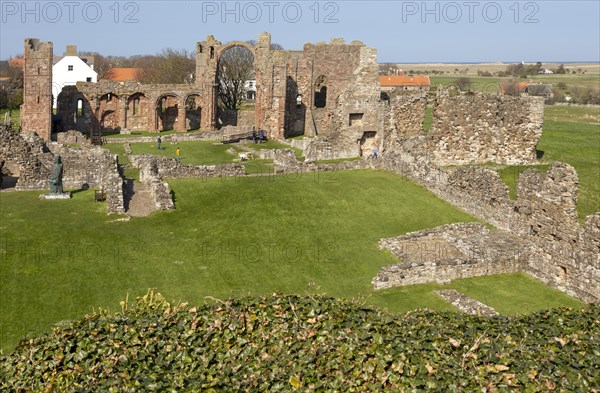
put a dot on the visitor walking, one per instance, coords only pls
(158, 141)
(178, 153)
(375, 152)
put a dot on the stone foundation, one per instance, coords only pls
(170, 168)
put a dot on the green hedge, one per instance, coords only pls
(311, 343)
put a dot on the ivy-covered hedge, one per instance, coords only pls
(311, 343)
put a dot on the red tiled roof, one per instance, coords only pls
(123, 74)
(404, 80)
(16, 62)
(506, 87)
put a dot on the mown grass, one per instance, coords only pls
(15, 117)
(492, 84)
(228, 237)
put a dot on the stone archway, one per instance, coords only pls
(167, 112)
(235, 75)
(193, 112)
(137, 112)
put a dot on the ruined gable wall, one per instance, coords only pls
(480, 128)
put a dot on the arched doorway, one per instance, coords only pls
(167, 111)
(137, 112)
(193, 112)
(236, 86)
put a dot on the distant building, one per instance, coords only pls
(250, 89)
(545, 71)
(68, 70)
(404, 82)
(119, 74)
(527, 89)
(540, 90)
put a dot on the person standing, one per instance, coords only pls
(178, 154)
(158, 141)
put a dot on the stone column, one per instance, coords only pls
(123, 112)
(181, 114)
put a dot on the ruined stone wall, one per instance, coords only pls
(25, 155)
(159, 190)
(28, 157)
(451, 252)
(36, 111)
(480, 128)
(170, 168)
(562, 253)
(110, 106)
(403, 117)
(92, 167)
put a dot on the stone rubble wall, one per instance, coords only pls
(483, 128)
(170, 168)
(174, 138)
(465, 303)
(561, 252)
(72, 137)
(92, 167)
(451, 252)
(25, 155)
(406, 112)
(159, 190)
(30, 158)
(286, 163)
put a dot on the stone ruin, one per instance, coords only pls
(330, 94)
(29, 158)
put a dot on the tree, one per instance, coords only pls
(169, 66)
(235, 68)
(463, 83)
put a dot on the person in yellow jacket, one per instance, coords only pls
(178, 153)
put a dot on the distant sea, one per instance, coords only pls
(492, 62)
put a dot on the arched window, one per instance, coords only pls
(321, 92)
(79, 107)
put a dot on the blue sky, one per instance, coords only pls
(402, 31)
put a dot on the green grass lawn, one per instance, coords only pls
(15, 117)
(233, 236)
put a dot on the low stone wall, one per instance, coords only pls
(170, 168)
(285, 162)
(450, 252)
(72, 137)
(183, 137)
(159, 190)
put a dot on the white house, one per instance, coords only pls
(250, 89)
(69, 70)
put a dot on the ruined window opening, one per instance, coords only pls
(200, 48)
(355, 119)
(321, 92)
(212, 52)
(299, 101)
(70, 68)
(136, 106)
(79, 107)
(38, 70)
(38, 99)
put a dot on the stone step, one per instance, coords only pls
(140, 202)
(465, 303)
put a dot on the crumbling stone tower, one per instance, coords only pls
(36, 111)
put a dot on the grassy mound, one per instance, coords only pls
(306, 343)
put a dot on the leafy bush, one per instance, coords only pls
(306, 343)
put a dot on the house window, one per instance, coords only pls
(70, 68)
(88, 79)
